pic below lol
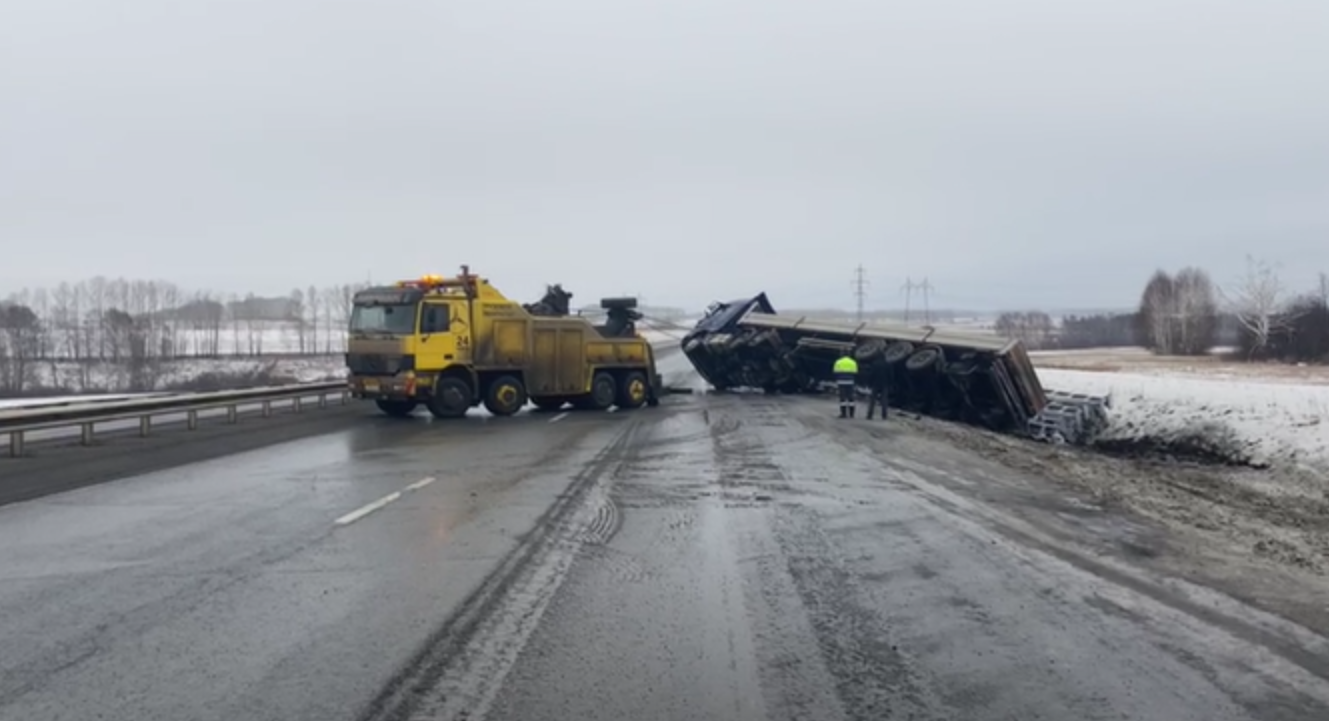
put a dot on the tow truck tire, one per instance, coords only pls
(603, 392)
(505, 396)
(451, 399)
(396, 408)
(633, 392)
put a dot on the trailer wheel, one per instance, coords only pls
(505, 395)
(898, 351)
(869, 350)
(395, 408)
(926, 358)
(603, 391)
(633, 392)
(451, 399)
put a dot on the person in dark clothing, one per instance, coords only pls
(878, 378)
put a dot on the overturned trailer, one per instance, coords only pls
(967, 377)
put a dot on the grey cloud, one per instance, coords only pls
(1025, 153)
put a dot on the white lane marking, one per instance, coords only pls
(559, 417)
(365, 510)
(420, 484)
(614, 409)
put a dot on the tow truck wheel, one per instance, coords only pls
(396, 408)
(633, 392)
(603, 392)
(506, 395)
(451, 399)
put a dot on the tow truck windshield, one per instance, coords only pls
(397, 319)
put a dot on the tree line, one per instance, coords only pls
(1186, 313)
(134, 321)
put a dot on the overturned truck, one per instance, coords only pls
(972, 378)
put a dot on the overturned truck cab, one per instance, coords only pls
(972, 378)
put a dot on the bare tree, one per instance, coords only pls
(312, 303)
(298, 317)
(328, 298)
(1158, 308)
(233, 317)
(1257, 300)
(97, 300)
(20, 336)
(170, 302)
(39, 300)
(1032, 328)
(1196, 321)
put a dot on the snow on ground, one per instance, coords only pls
(1213, 366)
(108, 377)
(1275, 423)
(260, 338)
(12, 403)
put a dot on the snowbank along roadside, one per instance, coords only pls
(1258, 423)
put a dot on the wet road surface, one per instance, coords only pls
(720, 557)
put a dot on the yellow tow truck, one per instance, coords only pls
(451, 344)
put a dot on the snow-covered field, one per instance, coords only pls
(287, 339)
(1214, 366)
(260, 338)
(11, 403)
(1268, 422)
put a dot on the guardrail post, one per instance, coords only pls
(232, 414)
(322, 400)
(345, 397)
(267, 408)
(16, 443)
(87, 433)
(296, 404)
(191, 420)
(144, 426)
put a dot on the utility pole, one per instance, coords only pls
(859, 283)
(908, 290)
(926, 287)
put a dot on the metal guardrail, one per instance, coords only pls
(16, 424)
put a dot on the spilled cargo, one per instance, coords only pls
(972, 378)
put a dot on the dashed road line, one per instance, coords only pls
(365, 510)
(369, 508)
(559, 417)
(420, 484)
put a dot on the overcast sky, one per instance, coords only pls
(1022, 153)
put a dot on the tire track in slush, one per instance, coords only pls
(464, 663)
(857, 672)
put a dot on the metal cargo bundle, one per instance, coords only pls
(968, 377)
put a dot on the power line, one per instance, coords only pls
(926, 287)
(908, 290)
(859, 284)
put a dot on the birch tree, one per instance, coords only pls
(1257, 300)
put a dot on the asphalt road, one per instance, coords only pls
(719, 557)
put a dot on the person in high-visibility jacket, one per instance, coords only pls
(846, 377)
